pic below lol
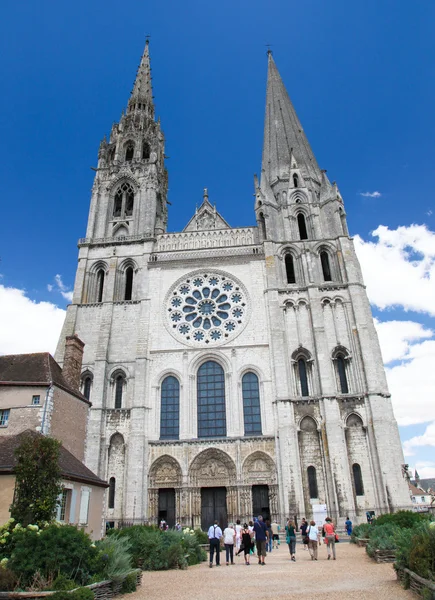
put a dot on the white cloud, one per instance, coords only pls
(395, 338)
(27, 326)
(399, 268)
(425, 469)
(371, 194)
(426, 439)
(60, 287)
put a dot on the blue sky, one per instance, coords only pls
(361, 76)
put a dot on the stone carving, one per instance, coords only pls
(165, 472)
(259, 468)
(212, 467)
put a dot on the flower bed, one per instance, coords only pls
(419, 585)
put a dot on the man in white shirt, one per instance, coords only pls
(214, 537)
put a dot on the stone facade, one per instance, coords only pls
(277, 313)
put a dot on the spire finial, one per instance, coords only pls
(205, 194)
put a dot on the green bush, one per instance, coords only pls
(382, 537)
(360, 531)
(63, 583)
(115, 552)
(8, 580)
(406, 519)
(62, 595)
(129, 584)
(422, 553)
(82, 593)
(201, 536)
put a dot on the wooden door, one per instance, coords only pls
(260, 501)
(213, 507)
(167, 506)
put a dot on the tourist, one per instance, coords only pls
(261, 536)
(177, 526)
(313, 539)
(251, 529)
(246, 543)
(269, 537)
(275, 534)
(238, 529)
(304, 527)
(229, 540)
(163, 525)
(290, 538)
(214, 537)
(348, 524)
(329, 529)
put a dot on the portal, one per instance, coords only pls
(213, 507)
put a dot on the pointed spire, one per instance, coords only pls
(284, 137)
(142, 90)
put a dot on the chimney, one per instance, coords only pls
(72, 362)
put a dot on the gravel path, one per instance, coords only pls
(352, 576)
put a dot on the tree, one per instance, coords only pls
(38, 480)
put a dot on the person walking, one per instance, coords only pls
(348, 524)
(261, 536)
(290, 538)
(214, 537)
(238, 529)
(229, 541)
(275, 534)
(329, 529)
(303, 528)
(313, 539)
(246, 543)
(269, 536)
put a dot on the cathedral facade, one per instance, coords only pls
(232, 371)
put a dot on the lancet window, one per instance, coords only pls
(170, 409)
(123, 201)
(211, 400)
(251, 404)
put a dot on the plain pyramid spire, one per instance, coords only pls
(142, 90)
(283, 133)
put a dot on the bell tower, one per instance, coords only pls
(130, 187)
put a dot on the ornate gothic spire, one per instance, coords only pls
(142, 94)
(283, 133)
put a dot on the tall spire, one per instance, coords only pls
(142, 90)
(283, 133)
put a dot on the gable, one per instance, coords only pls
(205, 218)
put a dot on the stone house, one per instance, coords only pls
(83, 495)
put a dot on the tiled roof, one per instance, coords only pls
(71, 467)
(38, 369)
(416, 491)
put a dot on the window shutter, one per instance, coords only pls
(84, 506)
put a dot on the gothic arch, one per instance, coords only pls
(165, 472)
(113, 185)
(354, 420)
(120, 229)
(308, 423)
(215, 356)
(298, 196)
(301, 352)
(211, 468)
(259, 468)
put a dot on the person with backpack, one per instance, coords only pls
(246, 542)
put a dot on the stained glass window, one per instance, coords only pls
(211, 401)
(251, 404)
(170, 409)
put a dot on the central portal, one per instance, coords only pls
(213, 507)
(260, 501)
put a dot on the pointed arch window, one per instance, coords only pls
(129, 152)
(295, 180)
(251, 404)
(303, 376)
(290, 268)
(123, 201)
(341, 372)
(87, 386)
(119, 390)
(170, 409)
(262, 224)
(211, 400)
(100, 284)
(303, 233)
(312, 482)
(357, 480)
(128, 292)
(326, 268)
(146, 151)
(111, 501)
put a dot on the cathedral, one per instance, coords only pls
(232, 371)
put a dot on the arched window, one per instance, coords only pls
(145, 151)
(312, 482)
(123, 201)
(303, 378)
(295, 180)
(326, 269)
(100, 284)
(170, 409)
(262, 224)
(341, 372)
(129, 152)
(119, 389)
(303, 234)
(343, 222)
(357, 480)
(251, 404)
(290, 268)
(111, 502)
(87, 385)
(211, 400)
(128, 283)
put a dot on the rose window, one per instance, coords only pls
(206, 308)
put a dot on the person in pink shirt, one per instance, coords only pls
(329, 529)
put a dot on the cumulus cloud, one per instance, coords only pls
(27, 326)
(59, 286)
(426, 439)
(399, 268)
(425, 469)
(370, 194)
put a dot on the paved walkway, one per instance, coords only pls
(353, 576)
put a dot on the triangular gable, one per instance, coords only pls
(205, 218)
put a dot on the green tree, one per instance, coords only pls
(38, 477)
